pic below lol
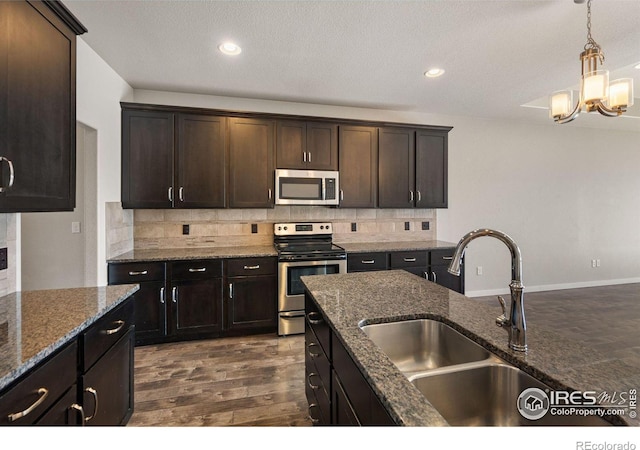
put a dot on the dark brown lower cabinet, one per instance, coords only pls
(337, 392)
(107, 387)
(252, 302)
(65, 411)
(197, 307)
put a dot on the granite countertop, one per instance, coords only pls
(393, 246)
(34, 324)
(183, 254)
(348, 300)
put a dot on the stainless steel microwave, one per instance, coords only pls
(307, 187)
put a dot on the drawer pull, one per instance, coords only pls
(409, 260)
(120, 324)
(43, 393)
(93, 392)
(257, 266)
(162, 295)
(315, 318)
(447, 258)
(174, 294)
(199, 269)
(435, 277)
(141, 272)
(313, 419)
(313, 355)
(80, 409)
(368, 261)
(311, 385)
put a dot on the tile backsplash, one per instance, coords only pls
(232, 227)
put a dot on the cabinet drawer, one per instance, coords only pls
(46, 385)
(316, 362)
(360, 262)
(106, 332)
(251, 266)
(135, 272)
(442, 257)
(196, 270)
(401, 260)
(315, 320)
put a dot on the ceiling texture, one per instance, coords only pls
(502, 58)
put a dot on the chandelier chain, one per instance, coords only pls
(591, 43)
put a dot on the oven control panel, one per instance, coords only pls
(302, 229)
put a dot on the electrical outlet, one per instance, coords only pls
(407, 226)
(425, 225)
(479, 270)
(254, 228)
(3, 258)
(75, 227)
(597, 263)
(185, 229)
(354, 227)
(593, 263)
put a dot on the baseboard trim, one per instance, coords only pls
(554, 287)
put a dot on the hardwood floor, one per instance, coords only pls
(259, 380)
(247, 381)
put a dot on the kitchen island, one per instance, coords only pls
(348, 301)
(54, 342)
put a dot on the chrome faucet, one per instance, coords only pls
(516, 324)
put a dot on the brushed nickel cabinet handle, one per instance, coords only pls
(304, 156)
(410, 196)
(181, 194)
(93, 392)
(257, 266)
(111, 331)
(313, 355)
(435, 278)
(11, 174)
(313, 419)
(162, 295)
(309, 157)
(199, 269)
(136, 273)
(409, 259)
(311, 385)
(425, 275)
(368, 261)
(447, 258)
(341, 195)
(80, 409)
(315, 318)
(43, 393)
(419, 196)
(170, 194)
(230, 290)
(174, 294)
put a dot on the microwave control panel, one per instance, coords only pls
(330, 188)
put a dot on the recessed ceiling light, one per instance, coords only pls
(229, 48)
(433, 73)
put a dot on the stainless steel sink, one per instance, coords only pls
(416, 346)
(487, 395)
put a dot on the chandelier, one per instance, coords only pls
(596, 93)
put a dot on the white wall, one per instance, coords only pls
(99, 93)
(566, 194)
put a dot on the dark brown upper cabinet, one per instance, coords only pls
(358, 166)
(37, 106)
(306, 145)
(251, 163)
(412, 168)
(173, 160)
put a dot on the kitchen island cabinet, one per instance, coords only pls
(348, 301)
(63, 350)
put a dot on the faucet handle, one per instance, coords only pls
(502, 319)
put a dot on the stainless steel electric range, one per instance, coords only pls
(303, 249)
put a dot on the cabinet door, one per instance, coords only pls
(342, 410)
(150, 306)
(201, 162)
(396, 170)
(252, 302)
(196, 307)
(107, 388)
(65, 411)
(37, 109)
(358, 166)
(147, 159)
(440, 275)
(291, 146)
(251, 163)
(431, 170)
(322, 146)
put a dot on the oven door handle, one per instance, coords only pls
(292, 314)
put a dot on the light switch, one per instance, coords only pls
(75, 227)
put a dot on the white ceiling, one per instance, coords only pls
(498, 55)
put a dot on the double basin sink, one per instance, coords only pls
(465, 383)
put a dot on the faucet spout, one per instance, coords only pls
(516, 324)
